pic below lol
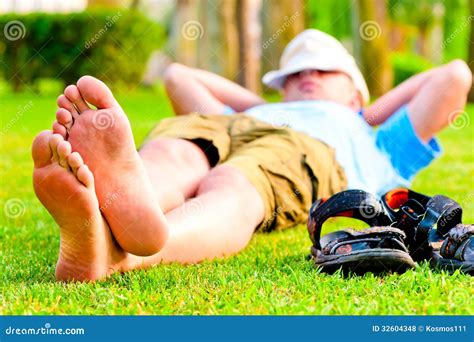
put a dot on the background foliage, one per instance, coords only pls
(113, 45)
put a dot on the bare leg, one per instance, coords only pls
(175, 167)
(218, 222)
(165, 174)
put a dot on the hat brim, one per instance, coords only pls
(276, 78)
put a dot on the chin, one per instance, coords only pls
(312, 97)
(300, 96)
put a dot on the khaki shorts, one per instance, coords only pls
(289, 169)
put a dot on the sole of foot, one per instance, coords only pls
(65, 186)
(99, 130)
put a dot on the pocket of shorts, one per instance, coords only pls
(292, 191)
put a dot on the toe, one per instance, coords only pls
(63, 102)
(64, 117)
(75, 161)
(96, 92)
(59, 129)
(54, 141)
(73, 95)
(64, 150)
(40, 150)
(84, 175)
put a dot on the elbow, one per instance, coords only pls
(458, 76)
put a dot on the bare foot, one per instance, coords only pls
(104, 139)
(65, 186)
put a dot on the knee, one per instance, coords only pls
(173, 75)
(182, 159)
(178, 151)
(164, 146)
(224, 177)
(157, 149)
(458, 76)
(237, 191)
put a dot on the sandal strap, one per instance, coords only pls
(417, 215)
(456, 242)
(374, 237)
(410, 207)
(356, 204)
(449, 213)
(442, 212)
(395, 198)
(406, 206)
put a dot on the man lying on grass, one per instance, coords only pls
(201, 185)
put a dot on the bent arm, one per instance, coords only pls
(389, 103)
(194, 90)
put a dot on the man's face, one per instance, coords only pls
(321, 85)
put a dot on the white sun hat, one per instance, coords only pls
(314, 49)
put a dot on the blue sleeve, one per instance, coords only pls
(228, 110)
(398, 140)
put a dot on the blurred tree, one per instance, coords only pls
(250, 43)
(230, 37)
(135, 4)
(220, 36)
(205, 21)
(106, 3)
(428, 18)
(370, 44)
(454, 38)
(470, 43)
(281, 22)
(186, 32)
(435, 38)
(293, 20)
(333, 17)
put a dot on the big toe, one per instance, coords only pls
(40, 150)
(96, 92)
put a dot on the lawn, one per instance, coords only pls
(271, 276)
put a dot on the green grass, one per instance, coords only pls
(271, 276)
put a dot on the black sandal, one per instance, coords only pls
(377, 249)
(457, 251)
(433, 229)
(418, 215)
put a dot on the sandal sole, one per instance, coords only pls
(377, 260)
(451, 265)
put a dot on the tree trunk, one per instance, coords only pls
(230, 35)
(437, 34)
(471, 49)
(371, 44)
(423, 46)
(282, 21)
(15, 75)
(205, 45)
(250, 44)
(105, 3)
(135, 4)
(186, 32)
